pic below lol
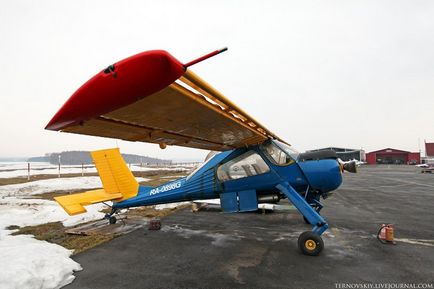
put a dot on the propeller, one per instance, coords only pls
(349, 166)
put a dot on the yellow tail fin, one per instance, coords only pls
(118, 182)
(114, 173)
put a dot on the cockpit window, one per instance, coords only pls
(280, 153)
(209, 157)
(288, 149)
(246, 165)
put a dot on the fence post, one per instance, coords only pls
(82, 169)
(28, 171)
(59, 167)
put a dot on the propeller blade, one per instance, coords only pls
(350, 167)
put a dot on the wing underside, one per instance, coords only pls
(188, 112)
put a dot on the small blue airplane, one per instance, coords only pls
(152, 97)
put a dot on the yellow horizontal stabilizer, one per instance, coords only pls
(73, 204)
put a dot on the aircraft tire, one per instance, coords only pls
(310, 243)
(112, 220)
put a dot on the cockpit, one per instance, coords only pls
(279, 153)
(251, 163)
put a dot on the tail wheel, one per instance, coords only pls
(112, 220)
(310, 243)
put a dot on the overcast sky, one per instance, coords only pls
(357, 74)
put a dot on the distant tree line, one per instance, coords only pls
(83, 157)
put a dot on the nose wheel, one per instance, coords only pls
(310, 243)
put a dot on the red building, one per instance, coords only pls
(392, 156)
(429, 149)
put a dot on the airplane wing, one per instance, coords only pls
(152, 97)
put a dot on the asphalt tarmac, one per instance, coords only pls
(210, 249)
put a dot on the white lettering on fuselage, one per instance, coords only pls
(165, 188)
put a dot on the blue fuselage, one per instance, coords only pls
(319, 176)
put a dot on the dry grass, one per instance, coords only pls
(55, 233)
(150, 212)
(20, 180)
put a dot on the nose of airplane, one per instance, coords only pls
(323, 175)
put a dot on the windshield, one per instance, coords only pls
(293, 153)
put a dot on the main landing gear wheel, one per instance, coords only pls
(112, 220)
(310, 243)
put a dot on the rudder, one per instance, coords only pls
(114, 173)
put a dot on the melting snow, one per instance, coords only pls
(20, 169)
(30, 263)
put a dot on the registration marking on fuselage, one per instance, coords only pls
(165, 188)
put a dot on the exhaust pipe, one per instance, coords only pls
(268, 199)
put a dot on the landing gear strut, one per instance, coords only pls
(313, 199)
(309, 242)
(306, 220)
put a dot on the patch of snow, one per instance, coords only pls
(53, 185)
(23, 165)
(31, 212)
(210, 201)
(30, 263)
(170, 205)
(20, 170)
(45, 171)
